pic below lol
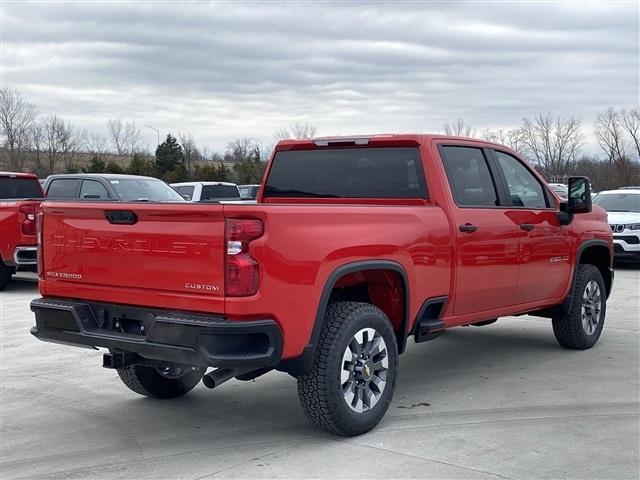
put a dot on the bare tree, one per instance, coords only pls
(118, 135)
(133, 137)
(609, 133)
(240, 150)
(631, 124)
(16, 118)
(94, 143)
(511, 137)
(59, 142)
(553, 143)
(191, 152)
(266, 150)
(36, 147)
(618, 134)
(459, 128)
(297, 130)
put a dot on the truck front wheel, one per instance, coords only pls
(351, 382)
(581, 327)
(156, 382)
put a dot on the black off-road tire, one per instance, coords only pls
(5, 275)
(320, 390)
(150, 382)
(569, 329)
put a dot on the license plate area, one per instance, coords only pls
(128, 326)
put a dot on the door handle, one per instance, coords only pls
(468, 228)
(527, 227)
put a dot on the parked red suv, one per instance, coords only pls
(20, 195)
(355, 245)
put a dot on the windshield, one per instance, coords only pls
(11, 188)
(144, 190)
(618, 202)
(347, 173)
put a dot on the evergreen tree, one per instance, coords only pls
(142, 165)
(97, 165)
(113, 167)
(169, 156)
(212, 173)
(250, 169)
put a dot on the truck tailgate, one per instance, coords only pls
(167, 255)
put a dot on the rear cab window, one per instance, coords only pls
(394, 172)
(63, 188)
(12, 188)
(219, 192)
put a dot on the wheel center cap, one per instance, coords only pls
(365, 370)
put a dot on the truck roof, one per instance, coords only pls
(389, 138)
(18, 175)
(188, 184)
(112, 176)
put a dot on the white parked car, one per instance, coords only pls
(208, 191)
(623, 208)
(560, 189)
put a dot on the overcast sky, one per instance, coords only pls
(227, 70)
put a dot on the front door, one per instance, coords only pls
(545, 245)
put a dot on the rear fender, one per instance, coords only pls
(303, 363)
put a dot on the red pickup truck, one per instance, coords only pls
(355, 245)
(20, 196)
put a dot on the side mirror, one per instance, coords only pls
(579, 200)
(186, 197)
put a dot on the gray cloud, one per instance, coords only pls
(222, 70)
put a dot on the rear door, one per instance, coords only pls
(487, 240)
(157, 254)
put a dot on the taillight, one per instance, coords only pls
(241, 269)
(28, 219)
(40, 254)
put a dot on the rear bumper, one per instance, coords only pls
(170, 336)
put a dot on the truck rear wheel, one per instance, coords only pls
(581, 327)
(156, 382)
(351, 382)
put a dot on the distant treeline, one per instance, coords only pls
(47, 144)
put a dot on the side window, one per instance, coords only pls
(63, 188)
(469, 176)
(524, 188)
(186, 190)
(91, 189)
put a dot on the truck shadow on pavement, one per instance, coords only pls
(457, 361)
(22, 285)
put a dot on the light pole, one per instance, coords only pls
(157, 133)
